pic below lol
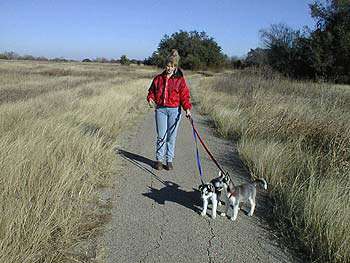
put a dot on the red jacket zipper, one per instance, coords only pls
(165, 91)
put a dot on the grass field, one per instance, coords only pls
(58, 124)
(297, 136)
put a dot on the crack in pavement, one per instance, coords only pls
(210, 258)
(162, 230)
(155, 247)
(149, 251)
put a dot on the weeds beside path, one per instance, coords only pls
(58, 124)
(297, 135)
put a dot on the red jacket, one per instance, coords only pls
(171, 92)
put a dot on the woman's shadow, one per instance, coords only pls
(139, 161)
(171, 192)
(135, 157)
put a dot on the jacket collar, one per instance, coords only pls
(177, 74)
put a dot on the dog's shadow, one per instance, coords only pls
(171, 192)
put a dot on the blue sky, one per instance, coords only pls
(89, 29)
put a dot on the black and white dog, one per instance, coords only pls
(241, 193)
(219, 185)
(212, 192)
(208, 194)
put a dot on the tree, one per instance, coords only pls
(41, 58)
(331, 39)
(256, 57)
(3, 56)
(323, 53)
(11, 55)
(60, 59)
(101, 60)
(279, 41)
(197, 50)
(124, 60)
(27, 57)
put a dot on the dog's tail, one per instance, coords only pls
(261, 181)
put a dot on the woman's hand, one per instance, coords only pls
(151, 103)
(188, 113)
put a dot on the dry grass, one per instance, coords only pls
(297, 135)
(58, 124)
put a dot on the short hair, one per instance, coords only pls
(173, 58)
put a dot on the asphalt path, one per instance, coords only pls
(156, 214)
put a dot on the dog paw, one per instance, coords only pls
(222, 214)
(233, 218)
(203, 214)
(250, 214)
(213, 217)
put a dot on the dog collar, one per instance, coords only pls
(232, 194)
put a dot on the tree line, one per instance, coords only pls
(319, 54)
(124, 60)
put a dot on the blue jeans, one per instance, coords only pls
(167, 122)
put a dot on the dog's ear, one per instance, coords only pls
(200, 188)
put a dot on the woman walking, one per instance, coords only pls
(168, 93)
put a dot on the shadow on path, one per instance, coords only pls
(135, 157)
(138, 160)
(171, 192)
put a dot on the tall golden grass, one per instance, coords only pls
(58, 124)
(297, 136)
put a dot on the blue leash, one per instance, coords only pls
(197, 153)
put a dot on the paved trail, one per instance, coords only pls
(155, 216)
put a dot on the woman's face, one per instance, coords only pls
(170, 68)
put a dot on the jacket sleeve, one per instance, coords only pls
(185, 95)
(151, 92)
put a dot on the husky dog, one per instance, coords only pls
(208, 194)
(242, 193)
(219, 184)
